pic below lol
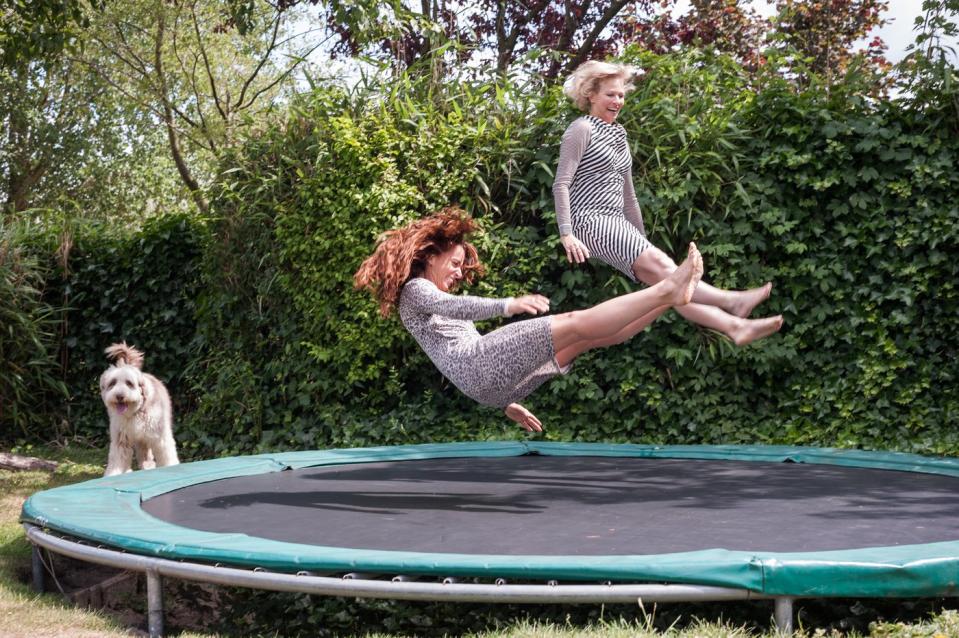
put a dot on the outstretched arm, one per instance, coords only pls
(526, 419)
(575, 140)
(422, 295)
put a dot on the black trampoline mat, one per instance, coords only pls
(581, 505)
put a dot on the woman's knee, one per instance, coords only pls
(653, 266)
(567, 327)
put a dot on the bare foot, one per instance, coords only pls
(752, 329)
(683, 281)
(745, 300)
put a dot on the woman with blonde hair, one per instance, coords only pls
(414, 269)
(598, 215)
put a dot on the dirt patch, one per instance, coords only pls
(122, 594)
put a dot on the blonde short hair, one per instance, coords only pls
(586, 79)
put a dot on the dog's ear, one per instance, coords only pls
(104, 378)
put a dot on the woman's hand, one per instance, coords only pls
(526, 419)
(532, 304)
(576, 251)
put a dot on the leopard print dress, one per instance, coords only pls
(495, 369)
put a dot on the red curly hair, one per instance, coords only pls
(403, 253)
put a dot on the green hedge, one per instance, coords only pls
(105, 284)
(30, 384)
(846, 203)
(857, 209)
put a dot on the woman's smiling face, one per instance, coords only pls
(607, 101)
(446, 269)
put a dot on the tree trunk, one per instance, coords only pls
(181, 166)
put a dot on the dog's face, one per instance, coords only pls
(123, 389)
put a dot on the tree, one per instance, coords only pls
(570, 31)
(39, 29)
(824, 32)
(51, 133)
(730, 26)
(564, 33)
(188, 65)
(930, 78)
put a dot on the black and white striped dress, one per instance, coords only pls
(594, 193)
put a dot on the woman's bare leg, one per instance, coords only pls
(568, 355)
(611, 321)
(653, 265)
(714, 308)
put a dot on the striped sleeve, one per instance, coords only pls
(571, 150)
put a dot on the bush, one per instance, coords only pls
(30, 383)
(844, 202)
(296, 357)
(774, 185)
(102, 284)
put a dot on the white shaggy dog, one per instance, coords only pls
(141, 416)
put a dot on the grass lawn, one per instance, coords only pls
(24, 613)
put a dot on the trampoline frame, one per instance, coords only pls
(898, 571)
(398, 587)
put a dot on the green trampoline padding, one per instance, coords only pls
(108, 511)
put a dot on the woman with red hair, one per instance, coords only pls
(415, 268)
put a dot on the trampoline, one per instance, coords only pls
(527, 522)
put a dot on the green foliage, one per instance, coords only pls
(858, 214)
(688, 138)
(929, 80)
(843, 202)
(31, 30)
(29, 381)
(295, 354)
(102, 285)
(139, 288)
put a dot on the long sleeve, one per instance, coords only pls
(571, 149)
(631, 206)
(422, 296)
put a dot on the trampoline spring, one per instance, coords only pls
(499, 582)
(552, 583)
(359, 576)
(400, 578)
(450, 580)
(259, 570)
(606, 583)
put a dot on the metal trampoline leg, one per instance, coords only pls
(784, 615)
(154, 603)
(37, 564)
